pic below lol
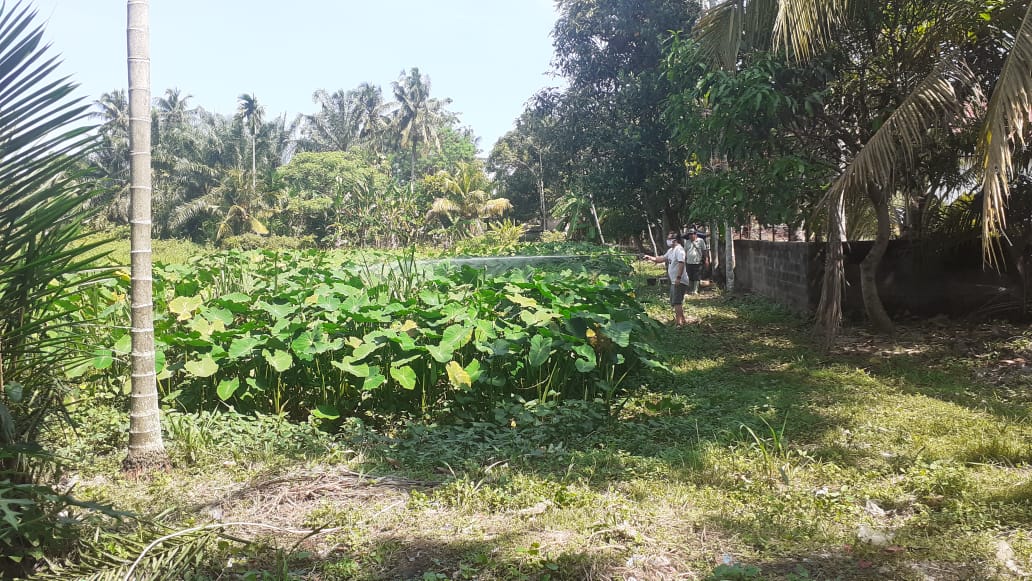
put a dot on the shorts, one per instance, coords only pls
(694, 271)
(677, 291)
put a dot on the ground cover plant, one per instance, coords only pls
(308, 333)
(755, 457)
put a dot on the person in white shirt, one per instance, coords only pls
(696, 258)
(674, 259)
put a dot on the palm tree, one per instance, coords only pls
(344, 119)
(173, 107)
(253, 116)
(803, 28)
(416, 116)
(42, 262)
(238, 207)
(466, 202)
(111, 158)
(146, 449)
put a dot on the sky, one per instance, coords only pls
(488, 56)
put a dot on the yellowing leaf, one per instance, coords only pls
(184, 306)
(525, 302)
(457, 375)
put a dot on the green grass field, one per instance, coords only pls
(756, 458)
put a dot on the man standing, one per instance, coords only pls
(696, 257)
(674, 259)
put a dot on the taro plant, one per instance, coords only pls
(304, 333)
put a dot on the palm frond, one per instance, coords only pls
(495, 207)
(257, 227)
(443, 207)
(726, 29)
(897, 140)
(804, 27)
(173, 559)
(719, 33)
(1004, 129)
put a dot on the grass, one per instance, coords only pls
(757, 458)
(172, 251)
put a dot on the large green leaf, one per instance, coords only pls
(103, 358)
(203, 367)
(242, 346)
(277, 311)
(586, 360)
(279, 360)
(364, 349)
(124, 345)
(441, 353)
(184, 307)
(325, 412)
(227, 387)
(374, 380)
(347, 365)
(456, 336)
(619, 332)
(540, 350)
(405, 376)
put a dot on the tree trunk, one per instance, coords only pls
(541, 192)
(652, 236)
(869, 267)
(254, 158)
(829, 310)
(714, 248)
(412, 171)
(594, 215)
(146, 449)
(729, 258)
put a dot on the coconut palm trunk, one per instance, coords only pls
(254, 159)
(829, 310)
(869, 266)
(146, 449)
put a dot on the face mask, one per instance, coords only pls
(670, 243)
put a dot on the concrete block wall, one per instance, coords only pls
(784, 272)
(912, 279)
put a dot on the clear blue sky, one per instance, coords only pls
(489, 56)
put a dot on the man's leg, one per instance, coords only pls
(694, 271)
(677, 302)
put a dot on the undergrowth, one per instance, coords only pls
(753, 457)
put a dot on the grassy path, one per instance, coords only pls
(757, 458)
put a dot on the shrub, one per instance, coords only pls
(251, 241)
(307, 333)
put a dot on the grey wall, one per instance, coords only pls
(780, 271)
(920, 279)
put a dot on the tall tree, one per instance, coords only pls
(609, 137)
(921, 65)
(253, 116)
(518, 162)
(146, 449)
(344, 119)
(416, 116)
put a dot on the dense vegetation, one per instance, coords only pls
(305, 334)
(326, 332)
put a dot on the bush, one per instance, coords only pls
(553, 236)
(251, 241)
(306, 333)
